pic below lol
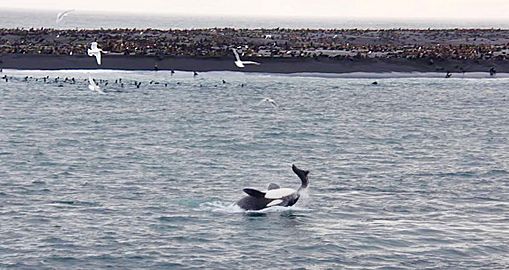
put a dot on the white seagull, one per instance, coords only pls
(93, 86)
(94, 51)
(61, 15)
(269, 100)
(239, 63)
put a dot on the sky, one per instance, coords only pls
(394, 9)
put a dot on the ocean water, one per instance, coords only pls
(87, 20)
(409, 174)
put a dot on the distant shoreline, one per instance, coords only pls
(269, 65)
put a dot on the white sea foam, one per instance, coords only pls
(278, 209)
(221, 207)
(232, 208)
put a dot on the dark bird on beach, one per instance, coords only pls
(195, 73)
(374, 83)
(224, 81)
(448, 75)
(493, 71)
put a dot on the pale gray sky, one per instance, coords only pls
(451, 9)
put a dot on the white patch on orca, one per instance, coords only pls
(279, 193)
(274, 202)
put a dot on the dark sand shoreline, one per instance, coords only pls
(269, 65)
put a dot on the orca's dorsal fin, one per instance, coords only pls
(272, 186)
(255, 193)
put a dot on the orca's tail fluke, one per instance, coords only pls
(303, 175)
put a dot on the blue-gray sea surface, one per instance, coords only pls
(411, 173)
(108, 20)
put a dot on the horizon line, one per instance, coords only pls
(300, 17)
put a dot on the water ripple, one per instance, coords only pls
(410, 174)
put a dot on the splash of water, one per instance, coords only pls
(229, 208)
(232, 208)
(221, 207)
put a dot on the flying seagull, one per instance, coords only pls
(239, 63)
(61, 15)
(94, 51)
(93, 86)
(270, 101)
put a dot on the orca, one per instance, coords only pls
(274, 195)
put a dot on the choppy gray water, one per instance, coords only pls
(409, 174)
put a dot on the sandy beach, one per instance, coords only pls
(278, 50)
(268, 65)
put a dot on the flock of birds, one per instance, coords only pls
(97, 52)
(93, 85)
(122, 84)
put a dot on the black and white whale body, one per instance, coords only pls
(274, 196)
